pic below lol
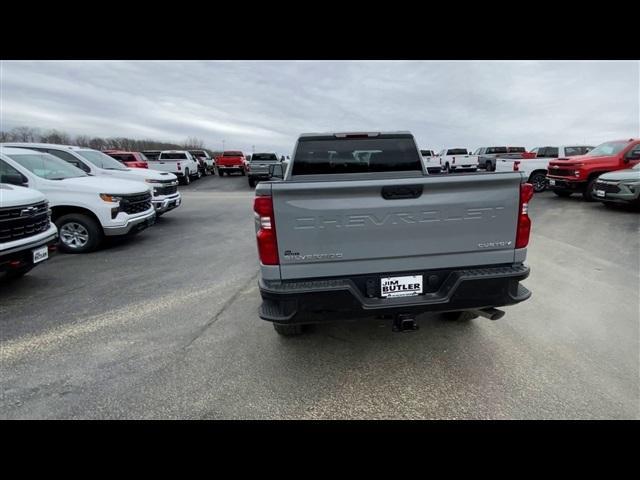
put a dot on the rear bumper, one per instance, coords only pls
(298, 302)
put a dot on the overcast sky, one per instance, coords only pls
(267, 104)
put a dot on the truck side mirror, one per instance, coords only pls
(276, 171)
(13, 179)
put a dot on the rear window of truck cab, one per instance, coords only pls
(493, 150)
(232, 154)
(264, 157)
(173, 156)
(457, 151)
(330, 155)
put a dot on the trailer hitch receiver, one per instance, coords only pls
(404, 323)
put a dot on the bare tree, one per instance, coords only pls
(24, 134)
(193, 143)
(28, 134)
(54, 136)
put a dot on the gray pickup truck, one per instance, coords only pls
(258, 167)
(343, 235)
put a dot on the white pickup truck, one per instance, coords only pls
(431, 161)
(95, 163)
(457, 159)
(84, 208)
(535, 169)
(209, 162)
(179, 162)
(26, 231)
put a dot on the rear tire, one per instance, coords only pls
(221, 173)
(88, 233)
(446, 168)
(252, 182)
(288, 330)
(464, 316)
(243, 172)
(562, 193)
(186, 179)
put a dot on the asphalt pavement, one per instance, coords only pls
(165, 325)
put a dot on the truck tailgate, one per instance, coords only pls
(334, 228)
(164, 165)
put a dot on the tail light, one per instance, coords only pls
(516, 166)
(524, 222)
(179, 166)
(266, 236)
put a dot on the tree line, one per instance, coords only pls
(29, 134)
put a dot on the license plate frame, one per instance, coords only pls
(40, 254)
(401, 286)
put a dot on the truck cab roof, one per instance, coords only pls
(324, 135)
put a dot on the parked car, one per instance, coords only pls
(385, 238)
(431, 161)
(457, 159)
(179, 162)
(535, 169)
(258, 165)
(26, 231)
(151, 154)
(231, 161)
(621, 186)
(580, 173)
(164, 185)
(129, 159)
(208, 163)
(84, 208)
(487, 155)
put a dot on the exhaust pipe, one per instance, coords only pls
(490, 313)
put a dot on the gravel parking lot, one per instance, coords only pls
(165, 325)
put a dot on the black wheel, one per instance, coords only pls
(288, 330)
(474, 169)
(588, 192)
(199, 174)
(14, 273)
(562, 193)
(446, 168)
(487, 166)
(463, 316)
(539, 181)
(221, 173)
(205, 172)
(186, 179)
(252, 182)
(79, 233)
(243, 172)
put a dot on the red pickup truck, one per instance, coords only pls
(579, 174)
(231, 161)
(130, 159)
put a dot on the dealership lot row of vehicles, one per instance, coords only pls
(82, 195)
(565, 169)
